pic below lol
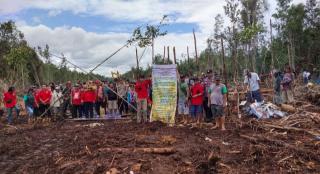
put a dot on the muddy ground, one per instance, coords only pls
(83, 147)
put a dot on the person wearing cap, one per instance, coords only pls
(252, 82)
(88, 98)
(196, 91)
(207, 82)
(217, 102)
(45, 96)
(56, 100)
(76, 102)
(10, 101)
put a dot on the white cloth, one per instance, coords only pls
(56, 99)
(253, 81)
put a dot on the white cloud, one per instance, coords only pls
(87, 49)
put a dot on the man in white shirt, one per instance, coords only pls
(306, 76)
(252, 82)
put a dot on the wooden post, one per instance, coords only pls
(174, 55)
(168, 50)
(137, 62)
(164, 53)
(195, 47)
(188, 54)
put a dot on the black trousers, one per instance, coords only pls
(66, 105)
(88, 109)
(123, 106)
(43, 108)
(76, 111)
(97, 106)
(207, 110)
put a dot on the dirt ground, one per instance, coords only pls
(124, 146)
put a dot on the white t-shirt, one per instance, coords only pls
(253, 81)
(306, 74)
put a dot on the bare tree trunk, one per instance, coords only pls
(36, 77)
(224, 69)
(195, 48)
(138, 68)
(164, 53)
(152, 45)
(271, 47)
(174, 55)
(289, 55)
(168, 50)
(188, 54)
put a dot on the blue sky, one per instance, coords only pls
(86, 31)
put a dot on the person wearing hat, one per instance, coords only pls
(207, 82)
(10, 101)
(218, 102)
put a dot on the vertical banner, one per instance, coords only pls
(164, 93)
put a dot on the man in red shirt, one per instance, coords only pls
(197, 91)
(89, 98)
(76, 102)
(141, 88)
(10, 101)
(45, 96)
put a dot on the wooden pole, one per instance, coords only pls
(152, 50)
(195, 48)
(168, 50)
(164, 53)
(137, 62)
(174, 55)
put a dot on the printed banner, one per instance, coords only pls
(164, 93)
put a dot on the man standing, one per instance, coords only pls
(218, 102)
(287, 95)
(207, 82)
(141, 88)
(183, 108)
(122, 89)
(10, 101)
(66, 98)
(76, 102)
(252, 82)
(196, 91)
(45, 100)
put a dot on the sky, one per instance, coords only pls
(88, 31)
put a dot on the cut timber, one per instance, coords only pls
(288, 108)
(163, 151)
(289, 128)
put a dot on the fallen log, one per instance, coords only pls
(292, 129)
(300, 151)
(288, 108)
(163, 151)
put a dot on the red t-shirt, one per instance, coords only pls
(45, 96)
(10, 99)
(197, 89)
(89, 96)
(141, 88)
(76, 97)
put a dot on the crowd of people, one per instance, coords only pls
(202, 98)
(89, 99)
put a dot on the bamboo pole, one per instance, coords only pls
(174, 55)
